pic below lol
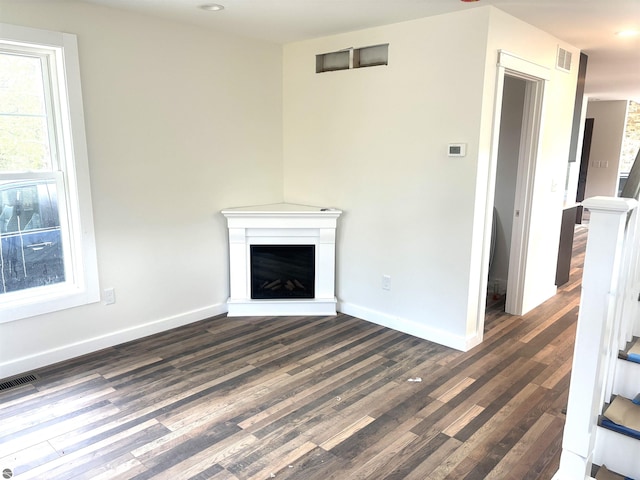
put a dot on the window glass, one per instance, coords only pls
(31, 254)
(24, 132)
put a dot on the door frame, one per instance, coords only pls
(536, 77)
(527, 161)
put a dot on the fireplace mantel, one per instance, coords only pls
(281, 224)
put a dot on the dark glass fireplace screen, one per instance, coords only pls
(282, 271)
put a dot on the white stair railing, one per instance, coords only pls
(626, 304)
(602, 323)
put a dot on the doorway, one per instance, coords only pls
(514, 75)
(584, 165)
(513, 99)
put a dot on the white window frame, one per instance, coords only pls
(71, 171)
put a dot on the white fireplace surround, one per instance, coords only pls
(281, 224)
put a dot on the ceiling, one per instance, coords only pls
(613, 71)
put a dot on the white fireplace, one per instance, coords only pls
(281, 225)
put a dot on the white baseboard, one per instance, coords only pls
(411, 327)
(48, 357)
(286, 307)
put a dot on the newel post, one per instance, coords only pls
(594, 333)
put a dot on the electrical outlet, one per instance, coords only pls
(386, 282)
(109, 296)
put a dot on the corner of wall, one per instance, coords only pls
(410, 327)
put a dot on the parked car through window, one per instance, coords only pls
(31, 254)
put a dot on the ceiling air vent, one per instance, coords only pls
(563, 61)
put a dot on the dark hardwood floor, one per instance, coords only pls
(303, 398)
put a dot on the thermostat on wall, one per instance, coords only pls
(457, 149)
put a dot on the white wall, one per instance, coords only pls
(527, 42)
(181, 122)
(373, 142)
(606, 144)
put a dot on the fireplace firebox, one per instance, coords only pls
(282, 271)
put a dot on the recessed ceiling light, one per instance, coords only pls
(212, 7)
(468, 1)
(628, 33)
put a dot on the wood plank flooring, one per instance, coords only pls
(303, 398)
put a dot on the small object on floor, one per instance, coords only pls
(416, 379)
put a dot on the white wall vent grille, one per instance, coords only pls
(563, 60)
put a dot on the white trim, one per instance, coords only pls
(489, 205)
(411, 327)
(526, 68)
(270, 308)
(28, 36)
(81, 207)
(72, 350)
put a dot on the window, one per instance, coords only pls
(329, 62)
(353, 58)
(47, 254)
(371, 56)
